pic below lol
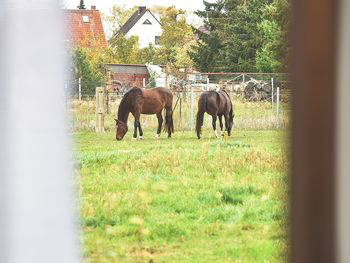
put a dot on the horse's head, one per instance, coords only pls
(121, 128)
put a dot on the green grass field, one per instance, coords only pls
(248, 115)
(184, 200)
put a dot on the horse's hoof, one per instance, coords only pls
(140, 137)
(216, 134)
(134, 139)
(157, 136)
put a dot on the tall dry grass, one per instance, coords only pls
(248, 115)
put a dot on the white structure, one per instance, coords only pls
(144, 25)
(37, 203)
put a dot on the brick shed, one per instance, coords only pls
(128, 75)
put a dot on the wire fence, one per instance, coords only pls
(260, 101)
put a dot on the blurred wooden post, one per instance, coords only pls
(144, 82)
(207, 83)
(100, 111)
(313, 207)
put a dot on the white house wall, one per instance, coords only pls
(146, 33)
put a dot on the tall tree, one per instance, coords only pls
(244, 36)
(117, 17)
(125, 50)
(205, 53)
(175, 39)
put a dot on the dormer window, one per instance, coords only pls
(147, 22)
(86, 19)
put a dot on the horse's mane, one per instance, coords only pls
(130, 91)
(225, 92)
(122, 110)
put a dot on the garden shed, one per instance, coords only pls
(127, 75)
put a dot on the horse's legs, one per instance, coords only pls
(214, 125)
(227, 123)
(221, 125)
(135, 129)
(140, 130)
(169, 121)
(136, 124)
(160, 123)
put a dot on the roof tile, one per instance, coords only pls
(84, 34)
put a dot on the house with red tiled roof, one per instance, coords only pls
(85, 27)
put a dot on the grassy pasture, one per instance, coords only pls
(248, 115)
(184, 200)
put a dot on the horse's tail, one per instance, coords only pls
(202, 104)
(171, 123)
(232, 115)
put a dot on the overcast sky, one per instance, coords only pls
(104, 5)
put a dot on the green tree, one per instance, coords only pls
(267, 56)
(205, 53)
(125, 50)
(149, 55)
(117, 17)
(244, 36)
(82, 68)
(274, 53)
(175, 39)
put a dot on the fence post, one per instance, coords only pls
(107, 97)
(191, 108)
(207, 83)
(99, 110)
(278, 108)
(181, 94)
(79, 88)
(272, 91)
(243, 79)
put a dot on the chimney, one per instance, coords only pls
(141, 8)
(93, 7)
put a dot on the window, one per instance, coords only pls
(86, 19)
(157, 40)
(147, 22)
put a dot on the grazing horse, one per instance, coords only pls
(217, 104)
(145, 101)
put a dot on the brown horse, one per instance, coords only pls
(217, 104)
(145, 101)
